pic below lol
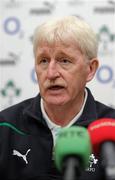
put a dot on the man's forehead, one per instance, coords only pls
(60, 51)
(58, 47)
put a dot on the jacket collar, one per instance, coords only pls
(33, 110)
(89, 114)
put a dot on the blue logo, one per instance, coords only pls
(12, 25)
(33, 76)
(107, 70)
(105, 74)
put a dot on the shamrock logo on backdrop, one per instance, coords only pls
(10, 91)
(106, 38)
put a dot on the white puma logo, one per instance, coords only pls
(15, 152)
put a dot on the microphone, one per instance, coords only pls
(102, 134)
(72, 151)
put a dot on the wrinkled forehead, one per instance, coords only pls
(56, 46)
(56, 42)
(53, 40)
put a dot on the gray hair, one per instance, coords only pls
(65, 30)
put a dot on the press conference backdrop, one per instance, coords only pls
(18, 19)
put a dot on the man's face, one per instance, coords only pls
(62, 73)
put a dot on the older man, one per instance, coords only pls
(65, 52)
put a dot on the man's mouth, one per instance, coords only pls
(56, 87)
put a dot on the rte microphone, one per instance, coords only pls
(102, 134)
(72, 151)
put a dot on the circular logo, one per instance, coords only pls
(105, 74)
(12, 25)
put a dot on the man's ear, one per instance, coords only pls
(93, 65)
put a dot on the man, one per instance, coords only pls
(65, 52)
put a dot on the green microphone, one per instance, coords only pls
(72, 151)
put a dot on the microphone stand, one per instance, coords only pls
(108, 159)
(71, 168)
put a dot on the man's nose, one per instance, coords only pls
(52, 71)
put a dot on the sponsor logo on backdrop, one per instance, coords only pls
(9, 92)
(112, 2)
(12, 25)
(76, 2)
(105, 75)
(106, 40)
(33, 76)
(11, 59)
(45, 7)
(105, 9)
(12, 4)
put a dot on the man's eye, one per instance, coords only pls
(65, 61)
(44, 61)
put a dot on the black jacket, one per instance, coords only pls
(25, 134)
